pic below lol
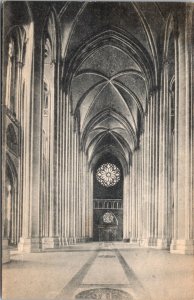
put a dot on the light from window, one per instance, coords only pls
(108, 174)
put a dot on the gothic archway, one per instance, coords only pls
(108, 199)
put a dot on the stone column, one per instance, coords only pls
(86, 200)
(136, 193)
(30, 240)
(19, 65)
(139, 204)
(74, 179)
(147, 180)
(79, 226)
(70, 183)
(76, 190)
(5, 248)
(130, 204)
(83, 198)
(133, 200)
(152, 167)
(149, 183)
(53, 240)
(156, 159)
(140, 191)
(59, 158)
(126, 204)
(144, 199)
(183, 241)
(61, 170)
(162, 242)
(6, 207)
(151, 154)
(90, 204)
(65, 178)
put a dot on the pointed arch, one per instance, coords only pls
(102, 115)
(15, 46)
(169, 28)
(115, 151)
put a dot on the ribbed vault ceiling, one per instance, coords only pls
(112, 66)
(109, 92)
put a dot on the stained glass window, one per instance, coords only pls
(108, 218)
(108, 174)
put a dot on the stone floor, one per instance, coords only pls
(99, 271)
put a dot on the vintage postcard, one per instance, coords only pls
(97, 150)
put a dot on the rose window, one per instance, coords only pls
(108, 218)
(108, 174)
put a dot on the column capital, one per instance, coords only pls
(182, 246)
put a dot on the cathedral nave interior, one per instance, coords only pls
(97, 123)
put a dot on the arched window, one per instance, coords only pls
(16, 45)
(12, 141)
(10, 82)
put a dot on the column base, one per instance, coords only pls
(144, 242)
(133, 240)
(75, 240)
(5, 251)
(147, 242)
(162, 244)
(152, 242)
(29, 245)
(182, 247)
(65, 241)
(126, 240)
(84, 240)
(50, 242)
(71, 240)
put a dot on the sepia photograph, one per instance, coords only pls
(97, 135)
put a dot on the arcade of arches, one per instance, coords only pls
(98, 124)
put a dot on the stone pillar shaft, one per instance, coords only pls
(183, 240)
